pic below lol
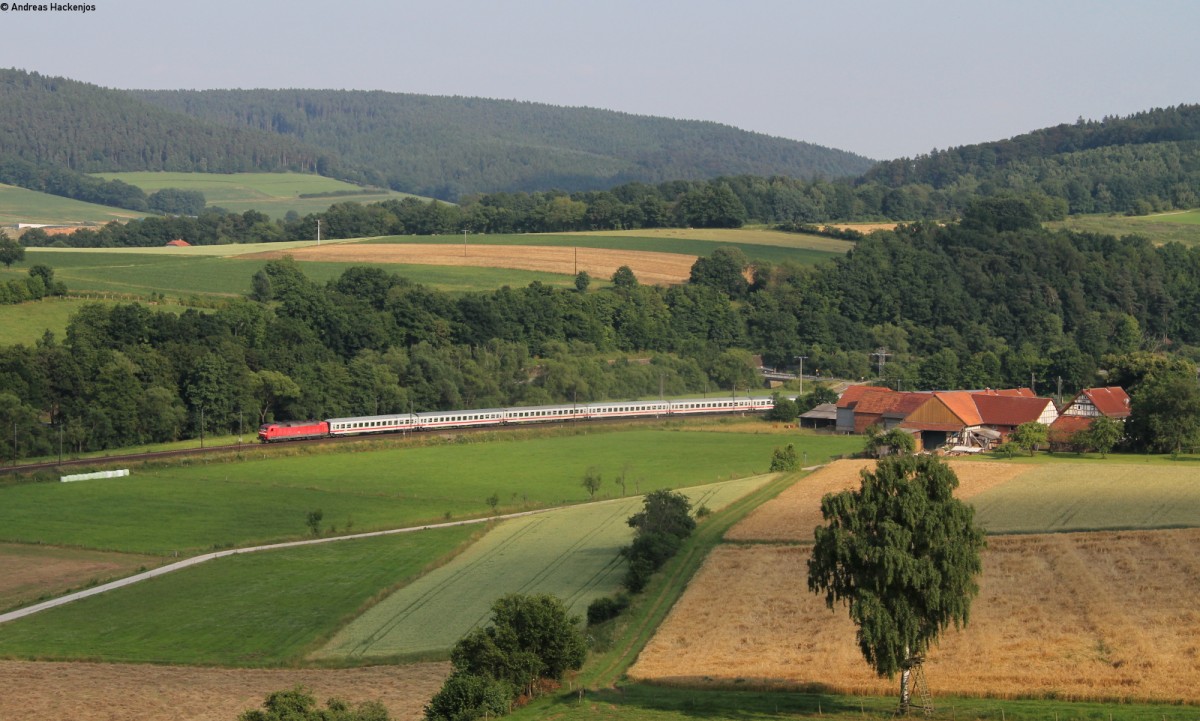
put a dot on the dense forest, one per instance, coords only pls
(448, 147)
(994, 300)
(1142, 163)
(50, 121)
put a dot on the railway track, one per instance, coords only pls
(243, 447)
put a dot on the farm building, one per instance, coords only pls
(178, 243)
(966, 420)
(823, 416)
(847, 402)
(975, 420)
(1112, 401)
(1088, 405)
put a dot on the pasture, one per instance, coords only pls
(257, 609)
(1180, 227)
(271, 193)
(197, 506)
(18, 205)
(572, 553)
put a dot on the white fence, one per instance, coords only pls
(98, 474)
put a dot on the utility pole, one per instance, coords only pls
(1060, 390)
(464, 242)
(881, 354)
(318, 232)
(801, 358)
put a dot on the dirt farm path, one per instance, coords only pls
(649, 267)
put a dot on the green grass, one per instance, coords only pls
(572, 553)
(642, 702)
(265, 608)
(141, 272)
(1160, 228)
(1083, 496)
(271, 193)
(18, 205)
(27, 322)
(194, 507)
(800, 252)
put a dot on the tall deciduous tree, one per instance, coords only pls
(10, 251)
(903, 553)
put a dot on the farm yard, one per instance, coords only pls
(1098, 615)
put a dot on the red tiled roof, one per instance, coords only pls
(179, 243)
(961, 404)
(1009, 410)
(877, 401)
(906, 403)
(1112, 401)
(852, 394)
(1062, 429)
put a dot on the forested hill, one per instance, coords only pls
(1137, 164)
(446, 147)
(50, 122)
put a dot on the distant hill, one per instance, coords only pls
(49, 122)
(446, 147)
(1136, 164)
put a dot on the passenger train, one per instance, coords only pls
(404, 422)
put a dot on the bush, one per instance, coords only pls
(784, 459)
(604, 609)
(467, 696)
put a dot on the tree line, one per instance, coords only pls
(992, 301)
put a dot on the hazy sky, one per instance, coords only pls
(879, 78)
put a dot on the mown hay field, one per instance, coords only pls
(1108, 615)
(572, 553)
(1086, 615)
(130, 692)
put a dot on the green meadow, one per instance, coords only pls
(18, 205)
(271, 193)
(199, 505)
(1180, 227)
(254, 609)
(180, 274)
(27, 322)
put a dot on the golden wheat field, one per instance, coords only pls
(793, 515)
(1110, 615)
(130, 692)
(649, 266)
